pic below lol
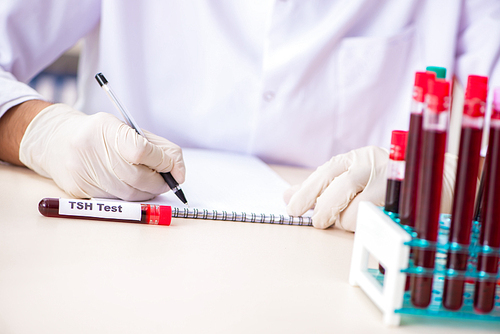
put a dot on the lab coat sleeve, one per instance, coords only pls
(478, 44)
(34, 33)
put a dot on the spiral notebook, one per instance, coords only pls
(234, 187)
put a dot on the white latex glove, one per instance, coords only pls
(336, 188)
(98, 155)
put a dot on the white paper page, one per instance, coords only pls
(224, 181)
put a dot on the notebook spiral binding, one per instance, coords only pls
(240, 217)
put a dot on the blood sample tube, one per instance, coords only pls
(409, 186)
(106, 210)
(395, 170)
(489, 237)
(434, 127)
(465, 188)
(395, 173)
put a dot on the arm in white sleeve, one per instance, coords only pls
(34, 34)
(478, 44)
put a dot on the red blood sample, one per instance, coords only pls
(484, 294)
(434, 129)
(409, 185)
(465, 187)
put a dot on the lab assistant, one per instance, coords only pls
(292, 82)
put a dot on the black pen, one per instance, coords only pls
(172, 183)
(480, 193)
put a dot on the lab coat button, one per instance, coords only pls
(268, 96)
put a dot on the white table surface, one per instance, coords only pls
(78, 276)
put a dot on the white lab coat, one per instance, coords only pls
(290, 81)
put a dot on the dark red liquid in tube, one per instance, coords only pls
(484, 293)
(409, 185)
(465, 188)
(392, 195)
(434, 128)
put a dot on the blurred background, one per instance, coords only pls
(57, 83)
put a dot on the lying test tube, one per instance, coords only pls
(126, 212)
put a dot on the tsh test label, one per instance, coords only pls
(100, 209)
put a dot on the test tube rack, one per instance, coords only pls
(379, 234)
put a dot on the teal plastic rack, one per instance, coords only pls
(381, 235)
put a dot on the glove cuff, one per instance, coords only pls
(36, 141)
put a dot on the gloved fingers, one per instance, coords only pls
(337, 196)
(140, 178)
(287, 195)
(173, 151)
(125, 193)
(137, 150)
(82, 189)
(305, 196)
(96, 181)
(128, 193)
(374, 192)
(146, 157)
(116, 163)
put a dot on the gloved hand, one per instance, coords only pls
(98, 155)
(336, 188)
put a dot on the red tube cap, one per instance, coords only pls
(420, 86)
(398, 145)
(477, 87)
(437, 98)
(165, 215)
(438, 87)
